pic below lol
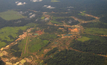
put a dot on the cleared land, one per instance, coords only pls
(23, 47)
(11, 15)
(5, 32)
(42, 17)
(37, 44)
(82, 13)
(83, 39)
(100, 31)
(55, 1)
(8, 34)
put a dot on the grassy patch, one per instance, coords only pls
(5, 32)
(8, 34)
(55, 1)
(37, 44)
(35, 47)
(100, 31)
(82, 14)
(92, 37)
(42, 17)
(83, 39)
(22, 45)
(2, 44)
(11, 15)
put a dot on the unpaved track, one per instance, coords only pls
(87, 52)
(26, 44)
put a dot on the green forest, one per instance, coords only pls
(68, 57)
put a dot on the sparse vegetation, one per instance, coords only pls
(82, 13)
(11, 15)
(9, 34)
(100, 31)
(55, 1)
(42, 17)
(37, 44)
(83, 39)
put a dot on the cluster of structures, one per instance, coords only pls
(71, 34)
(21, 62)
(39, 32)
